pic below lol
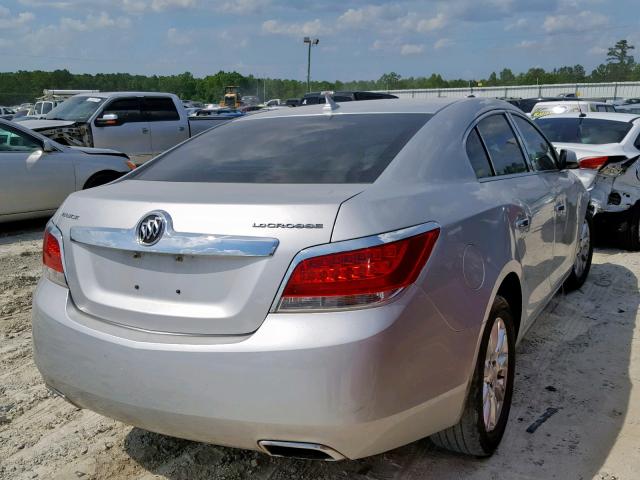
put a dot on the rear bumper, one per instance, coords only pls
(359, 382)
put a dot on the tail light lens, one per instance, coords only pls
(593, 163)
(357, 278)
(52, 258)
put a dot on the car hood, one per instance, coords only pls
(45, 124)
(99, 151)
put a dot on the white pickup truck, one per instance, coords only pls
(140, 124)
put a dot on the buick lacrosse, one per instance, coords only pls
(325, 282)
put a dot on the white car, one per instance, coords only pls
(543, 109)
(38, 173)
(607, 146)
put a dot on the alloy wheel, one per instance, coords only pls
(496, 371)
(583, 249)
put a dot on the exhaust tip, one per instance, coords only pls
(300, 450)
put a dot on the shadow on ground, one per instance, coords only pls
(575, 359)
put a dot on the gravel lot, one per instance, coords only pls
(582, 357)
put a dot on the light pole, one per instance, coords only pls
(310, 41)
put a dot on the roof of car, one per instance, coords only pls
(621, 117)
(399, 105)
(573, 101)
(125, 94)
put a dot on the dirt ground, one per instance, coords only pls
(582, 357)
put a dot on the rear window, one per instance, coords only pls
(589, 131)
(297, 149)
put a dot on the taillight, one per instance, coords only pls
(593, 163)
(357, 278)
(52, 258)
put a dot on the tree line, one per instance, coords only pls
(25, 86)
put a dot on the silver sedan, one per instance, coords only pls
(353, 279)
(38, 173)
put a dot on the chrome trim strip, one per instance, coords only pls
(346, 245)
(176, 243)
(335, 456)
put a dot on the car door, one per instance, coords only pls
(130, 133)
(167, 129)
(562, 184)
(32, 180)
(529, 208)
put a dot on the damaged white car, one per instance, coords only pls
(608, 149)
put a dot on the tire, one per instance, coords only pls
(632, 240)
(101, 178)
(582, 264)
(474, 435)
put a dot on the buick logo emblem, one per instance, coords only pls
(150, 229)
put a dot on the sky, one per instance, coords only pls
(359, 39)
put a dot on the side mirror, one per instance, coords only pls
(567, 159)
(108, 120)
(47, 147)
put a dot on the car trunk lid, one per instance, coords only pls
(216, 268)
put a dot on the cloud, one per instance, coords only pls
(519, 24)
(20, 20)
(527, 44)
(134, 6)
(596, 50)
(430, 24)
(175, 37)
(442, 43)
(368, 15)
(243, 7)
(411, 49)
(313, 27)
(94, 22)
(583, 21)
(162, 5)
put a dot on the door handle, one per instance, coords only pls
(181, 129)
(145, 130)
(523, 223)
(561, 207)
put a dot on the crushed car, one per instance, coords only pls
(608, 149)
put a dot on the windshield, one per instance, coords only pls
(298, 149)
(76, 109)
(588, 131)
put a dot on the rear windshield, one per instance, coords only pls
(589, 131)
(297, 149)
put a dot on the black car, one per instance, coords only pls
(314, 98)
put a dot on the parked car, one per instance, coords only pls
(569, 106)
(20, 114)
(220, 113)
(315, 98)
(607, 146)
(250, 100)
(274, 102)
(527, 104)
(292, 102)
(633, 108)
(337, 287)
(38, 173)
(42, 107)
(140, 124)
(7, 113)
